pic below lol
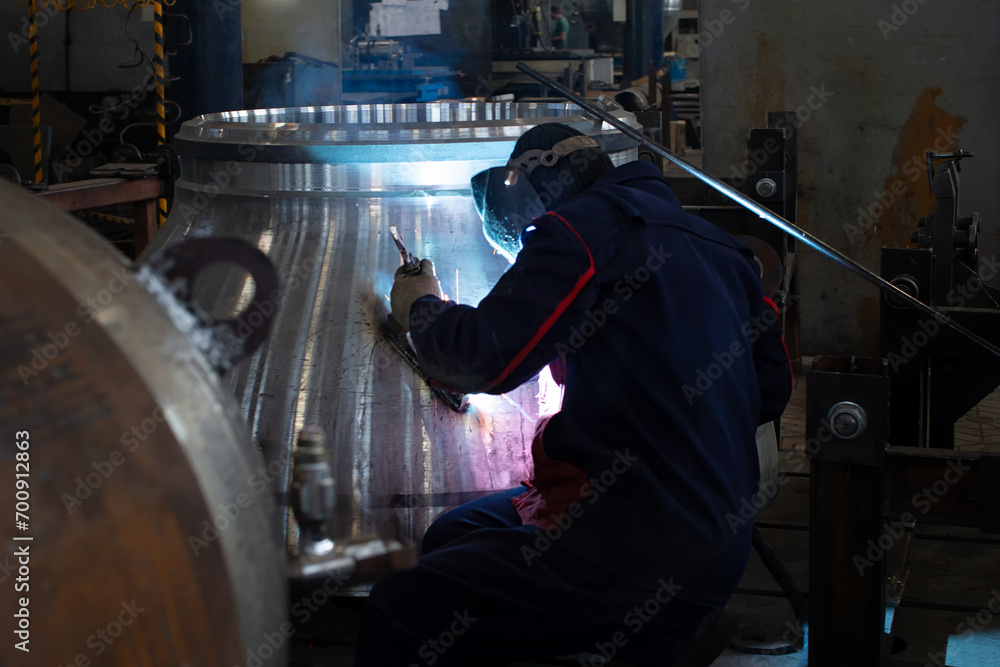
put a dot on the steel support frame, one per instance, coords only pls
(918, 349)
(861, 489)
(937, 376)
(772, 153)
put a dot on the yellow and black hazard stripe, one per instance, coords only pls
(36, 115)
(117, 219)
(161, 125)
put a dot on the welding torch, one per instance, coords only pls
(411, 265)
(401, 340)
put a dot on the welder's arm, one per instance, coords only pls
(774, 368)
(515, 330)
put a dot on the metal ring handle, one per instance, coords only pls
(241, 335)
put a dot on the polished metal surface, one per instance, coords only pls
(316, 190)
(146, 517)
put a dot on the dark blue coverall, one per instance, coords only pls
(673, 356)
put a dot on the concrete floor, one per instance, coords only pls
(953, 580)
(954, 573)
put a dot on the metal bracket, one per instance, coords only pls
(847, 409)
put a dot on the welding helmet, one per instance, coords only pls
(506, 199)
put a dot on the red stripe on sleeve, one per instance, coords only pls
(769, 301)
(556, 314)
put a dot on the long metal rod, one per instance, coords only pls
(764, 213)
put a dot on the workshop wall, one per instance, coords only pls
(876, 84)
(79, 51)
(309, 27)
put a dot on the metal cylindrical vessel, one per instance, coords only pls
(147, 539)
(633, 99)
(316, 189)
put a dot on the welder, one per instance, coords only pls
(628, 534)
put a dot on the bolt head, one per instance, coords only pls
(845, 425)
(847, 420)
(766, 187)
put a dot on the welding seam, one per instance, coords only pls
(556, 314)
(765, 214)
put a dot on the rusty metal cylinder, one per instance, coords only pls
(146, 539)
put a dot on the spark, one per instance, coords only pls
(387, 298)
(519, 408)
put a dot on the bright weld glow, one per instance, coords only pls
(550, 394)
(480, 401)
(440, 174)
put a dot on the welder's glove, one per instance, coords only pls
(407, 288)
